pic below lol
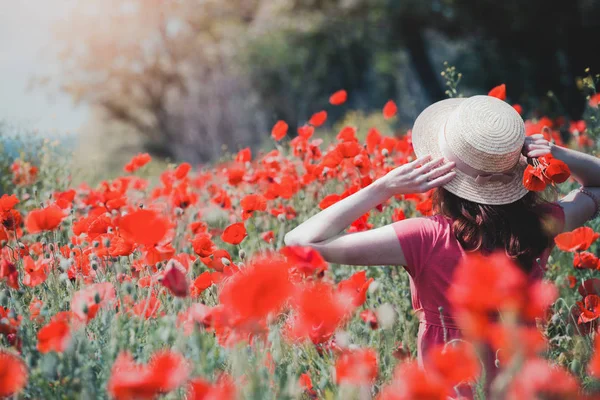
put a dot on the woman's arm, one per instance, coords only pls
(377, 246)
(585, 169)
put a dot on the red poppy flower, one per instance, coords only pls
(256, 292)
(498, 92)
(390, 109)
(412, 382)
(518, 108)
(202, 245)
(234, 233)
(539, 379)
(318, 119)
(55, 336)
(13, 373)
(355, 288)
(579, 239)
(252, 203)
(175, 280)
(557, 171)
(87, 301)
(279, 130)
(182, 170)
(8, 202)
(590, 309)
(244, 155)
(137, 162)
(338, 98)
(147, 308)
(165, 371)
(533, 179)
(268, 236)
(201, 283)
(540, 296)
(370, 318)
(586, 260)
(347, 134)
(146, 227)
(306, 132)
(356, 367)
(36, 272)
(332, 158)
(9, 271)
(589, 286)
(454, 363)
(305, 261)
(398, 215)
(45, 219)
(349, 149)
(373, 139)
(509, 342)
(319, 312)
(223, 389)
(504, 289)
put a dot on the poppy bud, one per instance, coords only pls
(106, 242)
(281, 217)
(84, 308)
(97, 298)
(96, 244)
(94, 265)
(51, 247)
(385, 152)
(21, 246)
(497, 363)
(128, 287)
(225, 261)
(178, 212)
(141, 205)
(242, 254)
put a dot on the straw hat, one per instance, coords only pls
(484, 136)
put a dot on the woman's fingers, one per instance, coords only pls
(419, 161)
(441, 170)
(440, 180)
(429, 165)
(538, 153)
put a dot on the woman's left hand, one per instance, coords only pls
(536, 146)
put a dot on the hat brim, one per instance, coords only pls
(425, 134)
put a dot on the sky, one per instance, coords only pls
(26, 46)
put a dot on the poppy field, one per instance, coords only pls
(180, 285)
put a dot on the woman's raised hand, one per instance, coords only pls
(536, 146)
(418, 176)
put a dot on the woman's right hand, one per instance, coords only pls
(418, 176)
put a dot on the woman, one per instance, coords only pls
(473, 151)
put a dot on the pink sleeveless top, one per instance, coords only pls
(432, 253)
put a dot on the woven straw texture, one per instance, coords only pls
(485, 133)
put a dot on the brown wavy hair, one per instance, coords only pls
(520, 228)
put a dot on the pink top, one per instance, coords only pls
(432, 253)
